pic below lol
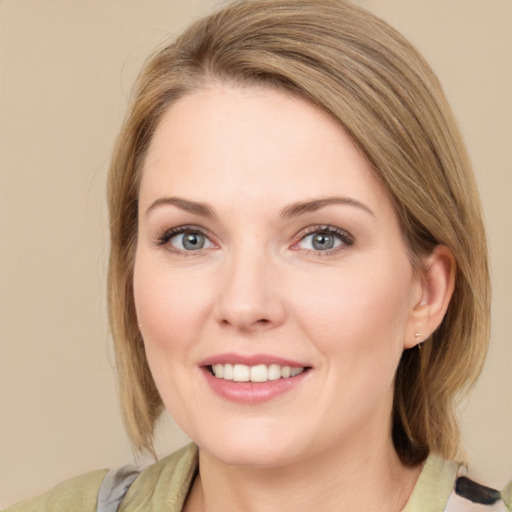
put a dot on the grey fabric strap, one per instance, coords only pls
(114, 487)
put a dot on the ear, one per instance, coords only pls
(436, 285)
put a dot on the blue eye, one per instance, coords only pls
(324, 239)
(186, 240)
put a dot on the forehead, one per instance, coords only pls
(250, 144)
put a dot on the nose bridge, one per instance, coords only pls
(248, 298)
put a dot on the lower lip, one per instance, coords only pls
(252, 392)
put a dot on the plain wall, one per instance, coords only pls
(65, 73)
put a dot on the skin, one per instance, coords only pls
(258, 285)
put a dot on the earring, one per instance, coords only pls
(418, 335)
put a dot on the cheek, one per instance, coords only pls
(357, 322)
(171, 305)
(357, 312)
(171, 309)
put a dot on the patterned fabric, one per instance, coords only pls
(441, 487)
(469, 496)
(114, 487)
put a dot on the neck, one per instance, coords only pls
(367, 476)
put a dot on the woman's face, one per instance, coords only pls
(268, 251)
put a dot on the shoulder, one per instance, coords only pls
(471, 496)
(79, 493)
(165, 484)
(443, 486)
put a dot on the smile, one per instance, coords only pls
(253, 378)
(257, 373)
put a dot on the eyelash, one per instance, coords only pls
(346, 238)
(165, 238)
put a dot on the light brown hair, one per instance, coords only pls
(374, 83)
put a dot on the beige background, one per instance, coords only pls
(65, 73)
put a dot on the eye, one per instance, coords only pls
(324, 239)
(185, 239)
(190, 241)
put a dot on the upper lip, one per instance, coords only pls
(251, 360)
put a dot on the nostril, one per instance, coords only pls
(246, 325)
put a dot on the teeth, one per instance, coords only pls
(227, 372)
(296, 371)
(274, 372)
(258, 373)
(218, 370)
(241, 373)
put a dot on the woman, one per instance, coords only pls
(298, 271)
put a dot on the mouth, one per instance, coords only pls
(256, 373)
(253, 379)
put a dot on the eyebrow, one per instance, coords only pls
(189, 206)
(303, 207)
(292, 210)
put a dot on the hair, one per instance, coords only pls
(362, 72)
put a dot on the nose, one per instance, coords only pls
(249, 298)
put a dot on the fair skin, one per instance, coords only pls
(264, 237)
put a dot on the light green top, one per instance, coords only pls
(164, 486)
(78, 494)
(434, 486)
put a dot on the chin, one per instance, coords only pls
(254, 447)
(254, 456)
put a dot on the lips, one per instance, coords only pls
(252, 379)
